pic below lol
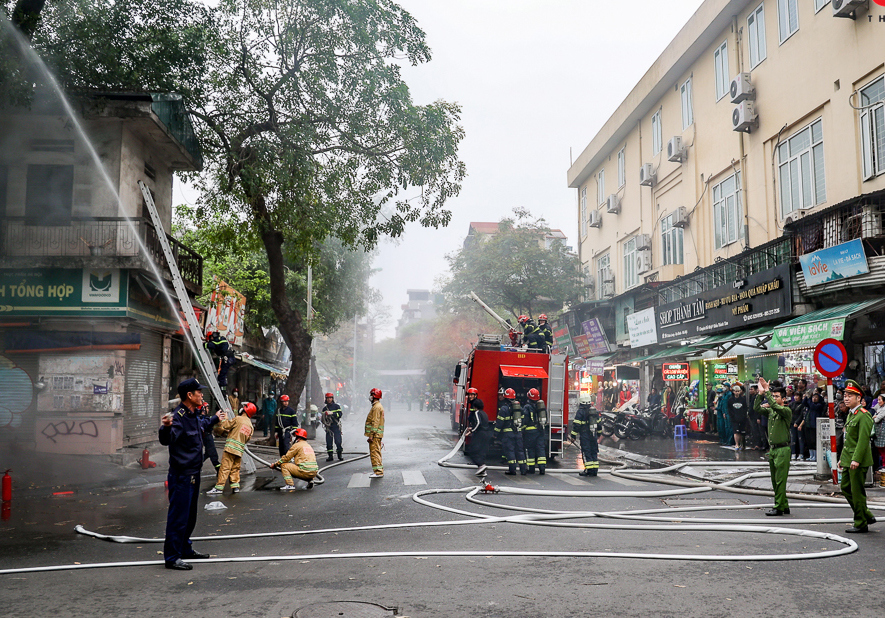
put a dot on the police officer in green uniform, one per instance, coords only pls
(779, 419)
(856, 457)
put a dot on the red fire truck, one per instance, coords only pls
(492, 365)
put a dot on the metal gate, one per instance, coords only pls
(18, 409)
(142, 400)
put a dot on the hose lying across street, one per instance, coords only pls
(662, 519)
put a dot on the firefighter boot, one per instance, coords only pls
(542, 470)
(511, 469)
(340, 455)
(531, 469)
(523, 469)
(330, 458)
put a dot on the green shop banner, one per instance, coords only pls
(810, 334)
(60, 291)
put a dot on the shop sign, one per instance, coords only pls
(594, 367)
(63, 291)
(582, 346)
(596, 339)
(756, 299)
(563, 340)
(675, 371)
(834, 263)
(623, 308)
(226, 312)
(807, 334)
(643, 328)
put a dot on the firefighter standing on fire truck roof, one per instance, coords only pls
(375, 432)
(534, 434)
(584, 425)
(544, 329)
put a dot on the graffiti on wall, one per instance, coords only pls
(70, 428)
(18, 393)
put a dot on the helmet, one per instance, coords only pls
(328, 395)
(584, 399)
(510, 394)
(533, 394)
(543, 316)
(375, 393)
(284, 398)
(250, 409)
(472, 391)
(522, 319)
(501, 391)
(313, 408)
(301, 432)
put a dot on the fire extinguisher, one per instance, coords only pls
(7, 487)
(146, 460)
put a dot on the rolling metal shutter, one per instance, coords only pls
(17, 415)
(142, 403)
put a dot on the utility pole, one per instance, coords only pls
(353, 382)
(308, 385)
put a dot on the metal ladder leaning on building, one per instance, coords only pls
(192, 326)
(555, 413)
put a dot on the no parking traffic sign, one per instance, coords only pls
(830, 358)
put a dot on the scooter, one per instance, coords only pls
(629, 423)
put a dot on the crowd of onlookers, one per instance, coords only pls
(737, 424)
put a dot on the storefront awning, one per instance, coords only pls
(809, 329)
(512, 371)
(681, 352)
(753, 338)
(274, 371)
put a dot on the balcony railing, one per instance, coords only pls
(96, 237)
(860, 218)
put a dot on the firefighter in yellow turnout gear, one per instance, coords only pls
(375, 432)
(299, 461)
(238, 430)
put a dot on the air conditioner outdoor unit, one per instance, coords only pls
(871, 222)
(643, 261)
(613, 204)
(742, 88)
(848, 8)
(680, 217)
(608, 275)
(794, 216)
(595, 219)
(675, 150)
(589, 281)
(647, 175)
(608, 289)
(744, 117)
(643, 241)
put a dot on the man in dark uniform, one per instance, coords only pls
(211, 452)
(182, 431)
(478, 429)
(517, 416)
(332, 425)
(287, 419)
(534, 432)
(505, 431)
(546, 332)
(584, 425)
(857, 456)
(779, 417)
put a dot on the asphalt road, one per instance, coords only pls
(39, 531)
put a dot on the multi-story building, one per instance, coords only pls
(756, 138)
(88, 348)
(420, 307)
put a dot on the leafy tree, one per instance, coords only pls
(514, 270)
(310, 134)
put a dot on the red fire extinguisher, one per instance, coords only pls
(7, 487)
(145, 460)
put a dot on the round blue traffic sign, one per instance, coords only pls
(830, 358)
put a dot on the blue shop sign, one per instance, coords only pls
(839, 262)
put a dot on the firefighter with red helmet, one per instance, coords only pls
(478, 429)
(239, 430)
(528, 329)
(332, 424)
(374, 432)
(545, 332)
(299, 462)
(507, 427)
(287, 419)
(534, 432)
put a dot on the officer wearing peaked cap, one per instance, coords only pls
(856, 456)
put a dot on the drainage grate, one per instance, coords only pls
(345, 609)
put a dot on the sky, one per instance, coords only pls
(536, 79)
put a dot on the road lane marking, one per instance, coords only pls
(360, 479)
(413, 477)
(571, 480)
(464, 477)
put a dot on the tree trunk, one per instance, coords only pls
(26, 15)
(291, 324)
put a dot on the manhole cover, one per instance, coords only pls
(345, 609)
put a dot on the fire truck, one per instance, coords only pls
(495, 363)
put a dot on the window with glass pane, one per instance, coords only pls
(602, 262)
(600, 187)
(727, 210)
(622, 168)
(631, 278)
(671, 241)
(819, 4)
(801, 169)
(687, 112)
(787, 18)
(584, 211)
(872, 128)
(720, 70)
(656, 133)
(756, 30)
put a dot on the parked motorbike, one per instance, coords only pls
(629, 423)
(658, 422)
